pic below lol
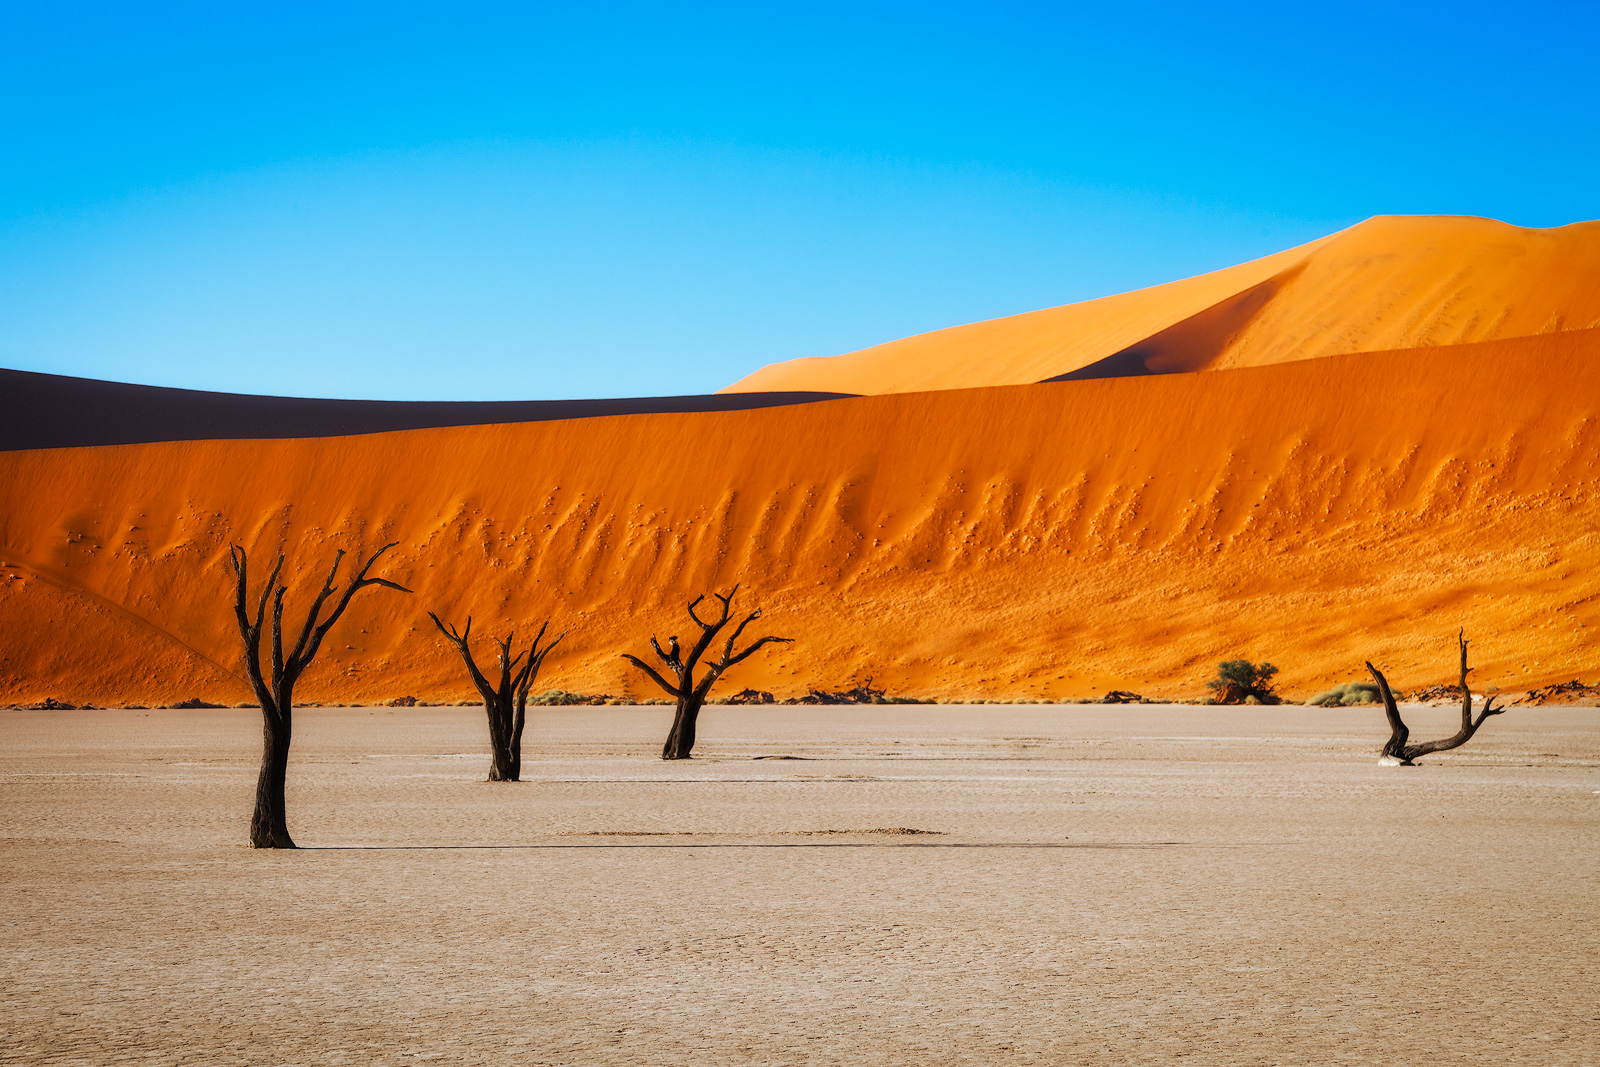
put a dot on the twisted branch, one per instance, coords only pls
(1398, 749)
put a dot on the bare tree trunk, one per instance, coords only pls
(680, 740)
(269, 825)
(503, 762)
(517, 724)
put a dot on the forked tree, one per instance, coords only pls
(506, 703)
(269, 826)
(1399, 750)
(690, 693)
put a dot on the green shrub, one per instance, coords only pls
(1350, 694)
(1239, 679)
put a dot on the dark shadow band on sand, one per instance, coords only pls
(756, 844)
(56, 411)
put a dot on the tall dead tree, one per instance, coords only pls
(1397, 750)
(506, 703)
(690, 694)
(269, 827)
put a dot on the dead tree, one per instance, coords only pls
(1398, 751)
(269, 827)
(690, 694)
(506, 703)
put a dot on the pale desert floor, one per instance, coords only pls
(1107, 885)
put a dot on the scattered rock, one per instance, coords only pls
(1436, 694)
(861, 694)
(560, 697)
(883, 831)
(1573, 693)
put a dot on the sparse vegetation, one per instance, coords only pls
(562, 698)
(1239, 681)
(1348, 695)
(861, 694)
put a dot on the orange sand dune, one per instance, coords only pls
(1387, 283)
(1044, 540)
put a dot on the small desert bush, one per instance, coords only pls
(562, 697)
(1238, 680)
(1348, 695)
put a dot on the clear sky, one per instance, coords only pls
(482, 201)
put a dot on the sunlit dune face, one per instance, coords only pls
(1044, 540)
(1388, 283)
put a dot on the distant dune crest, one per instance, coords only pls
(1040, 540)
(1391, 282)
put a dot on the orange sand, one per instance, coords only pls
(1045, 540)
(1387, 283)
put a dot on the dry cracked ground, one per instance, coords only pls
(1095, 885)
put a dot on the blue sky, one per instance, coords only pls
(514, 201)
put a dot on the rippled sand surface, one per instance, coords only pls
(1098, 885)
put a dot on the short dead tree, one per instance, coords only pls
(689, 693)
(1397, 751)
(269, 826)
(507, 702)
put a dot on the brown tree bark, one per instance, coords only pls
(506, 704)
(1398, 749)
(691, 694)
(274, 687)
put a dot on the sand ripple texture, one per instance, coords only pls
(1092, 886)
(1040, 542)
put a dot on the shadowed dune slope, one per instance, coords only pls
(1042, 540)
(56, 411)
(1388, 283)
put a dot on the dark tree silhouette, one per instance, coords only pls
(506, 703)
(690, 694)
(1405, 754)
(269, 827)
